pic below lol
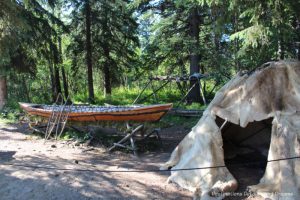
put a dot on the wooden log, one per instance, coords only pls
(186, 113)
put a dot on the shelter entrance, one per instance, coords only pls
(246, 150)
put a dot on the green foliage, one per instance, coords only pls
(9, 114)
(266, 30)
(137, 39)
(169, 42)
(114, 39)
(26, 34)
(171, 120)
(75, 135)
(126, 96)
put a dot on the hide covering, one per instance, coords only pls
(271, 91)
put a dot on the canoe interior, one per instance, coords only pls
(80, 109)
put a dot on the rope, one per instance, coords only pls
(144, 171)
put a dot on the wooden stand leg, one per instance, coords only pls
(130, 138)
(126, 138)
(133, 146)
(156, 132)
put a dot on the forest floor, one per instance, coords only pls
(46, 179)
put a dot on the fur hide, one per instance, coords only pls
(272, 91)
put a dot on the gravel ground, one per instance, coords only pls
(63, 170)
(51, 182)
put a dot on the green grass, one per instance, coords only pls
(71, 134)
(9, 115)
(194, 106)
(120, 96)
(126, 96)
(7, 121)
(171, 120)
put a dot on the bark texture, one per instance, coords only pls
(89, 52)
(194, 30)
(3, 91)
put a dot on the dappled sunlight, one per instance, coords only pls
(155, 66)
(92, 183)
(56, 170)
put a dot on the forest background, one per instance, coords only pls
(104, 51)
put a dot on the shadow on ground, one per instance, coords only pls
(43, 183)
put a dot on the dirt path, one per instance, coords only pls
(18, 182)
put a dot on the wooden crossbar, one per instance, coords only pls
(130, 138)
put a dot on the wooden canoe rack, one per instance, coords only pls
(130, 137)
(181, 82)
(59, 113)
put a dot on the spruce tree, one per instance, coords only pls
(26, 35)
(113, 37)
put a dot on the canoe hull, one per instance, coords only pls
(147, 113)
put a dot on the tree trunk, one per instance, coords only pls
(73, 74)
(298, 33)
(89, 52)
(236, 41)
(26, 89)
(52, 81)
(106, 71)
(194, 30)
(65, 82)
(3, 91)
(280, 50)
(57, 80)
(106, 50)
(63, 73)
(299, 51)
